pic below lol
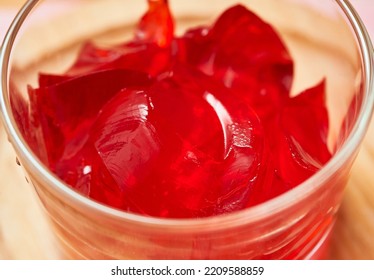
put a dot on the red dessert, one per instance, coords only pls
(181, 127)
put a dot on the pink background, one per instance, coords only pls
(364, 7)
(366, 10)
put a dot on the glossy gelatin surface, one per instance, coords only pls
(180, 127)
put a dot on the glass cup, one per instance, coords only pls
(326, 39)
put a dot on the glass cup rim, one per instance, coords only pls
(251, 214)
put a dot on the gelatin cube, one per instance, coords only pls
(157, 25)
(303, 138)
(25, 121)
(46, 133)
(77, 169)
(20, 110)
(124, 139)
(350, 117)
(92, 58)
(119, 148)
(46, 80)
(67, 109)
(305, 119)
(148, 58)
(245, 54)
(182, 110)
(63, 101)
(85, 171)
(150, 51)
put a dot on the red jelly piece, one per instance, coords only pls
(66, 110)
(85, 170)
(303, 145)
(245, 54)
(21, 112)
(92, 58)
(127, 143)
(150, 51)
(297, 140)
(148, 58)
(46, 80)
(157, 25)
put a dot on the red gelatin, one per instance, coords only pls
(185, 127)
(142, 57)
(245, 54)
(157, 25)
(65, 110)
(177, 144)
(301, 141)
(150, 51)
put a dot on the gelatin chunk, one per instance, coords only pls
(181, 127)
(65, 110)
(245, 54)
(157, 25)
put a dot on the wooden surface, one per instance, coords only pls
(25, 234)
